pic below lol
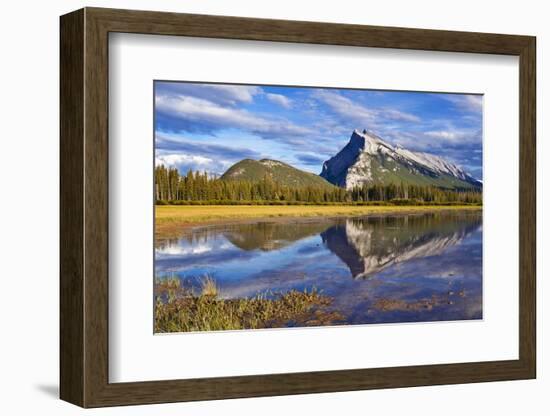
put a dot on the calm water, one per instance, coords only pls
(405, 268)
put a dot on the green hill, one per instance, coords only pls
(256, 170)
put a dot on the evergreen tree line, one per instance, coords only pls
(197, 187)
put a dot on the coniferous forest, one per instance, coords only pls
(199, 188)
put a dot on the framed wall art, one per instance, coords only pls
(256, 207)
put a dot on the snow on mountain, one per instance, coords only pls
(367, 159)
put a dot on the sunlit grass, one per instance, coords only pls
(209, 287)
(183, 309)
(182, 214)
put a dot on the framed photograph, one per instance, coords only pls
(255, 207)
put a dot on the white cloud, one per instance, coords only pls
(443, 134)
(179, 158)
(279, 99)
(183, 162)
(218, 93)
(358, 114)
(345, 107)
(398, 115)
(238, 93)
(193, 108)
(211, 116)
(466, 102)
(454, 135)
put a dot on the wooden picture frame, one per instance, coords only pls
(84, 207)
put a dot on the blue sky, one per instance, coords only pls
(212, 126)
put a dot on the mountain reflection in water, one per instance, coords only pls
(398, 268)
(369, 245)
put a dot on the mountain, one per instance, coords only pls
(255, 170)
(367, 159)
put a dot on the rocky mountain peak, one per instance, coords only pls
(368, 159)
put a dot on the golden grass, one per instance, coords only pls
(190, 214)
(182, 309)
(209, 287)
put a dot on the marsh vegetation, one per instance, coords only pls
(185, 309)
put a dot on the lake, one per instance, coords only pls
(377, 269)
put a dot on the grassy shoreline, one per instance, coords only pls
(170, 218)
(185, 309)
(206, 213)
